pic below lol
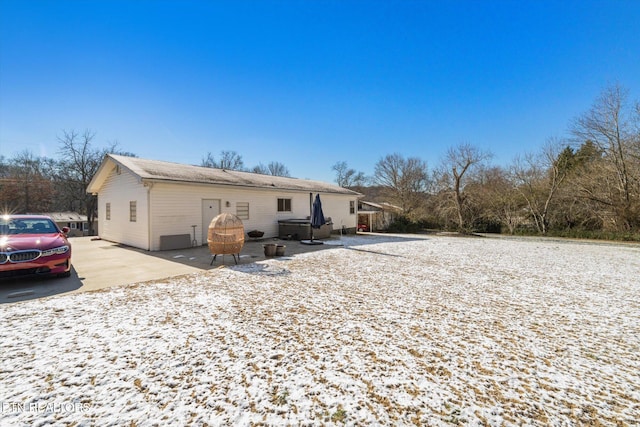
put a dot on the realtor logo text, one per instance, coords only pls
(51, 407)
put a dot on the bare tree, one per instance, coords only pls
(497, 198)
(4, 167)
(538, 178)
(458, 166)
(405, 181)
(26, 185)
(577, 207)
(612, 126)
(79, 163)
(273, 168)
(230, 160)
(208, 161)
(347, 177)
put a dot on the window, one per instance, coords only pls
(72, 225)
(85, 226)
(352, 207)
(108, 211)
(133, 211)
(284, 205)
(242, 210)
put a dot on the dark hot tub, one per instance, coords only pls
(300, 229)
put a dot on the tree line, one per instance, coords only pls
(36, 184)
(233, 161)
(585, 184)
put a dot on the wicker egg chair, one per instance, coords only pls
(225, 236)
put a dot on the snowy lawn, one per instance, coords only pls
(420, 330)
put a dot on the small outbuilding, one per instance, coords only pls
(377, 216)
(77, 223)
(156, 205)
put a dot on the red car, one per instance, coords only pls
(363, 227)
(33, 244)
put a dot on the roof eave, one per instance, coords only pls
(265, 187)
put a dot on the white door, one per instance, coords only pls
(210, 210)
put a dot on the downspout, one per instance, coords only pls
(149, 185)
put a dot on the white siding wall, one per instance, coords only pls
(119, 190)
(337, 207)
(175, 207)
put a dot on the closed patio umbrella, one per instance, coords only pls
(317, 219)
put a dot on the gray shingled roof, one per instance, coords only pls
(176, 172)
(64, 216)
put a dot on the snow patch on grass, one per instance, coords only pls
(386, 330)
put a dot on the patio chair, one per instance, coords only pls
(225, 236)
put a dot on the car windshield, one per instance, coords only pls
(27, 226)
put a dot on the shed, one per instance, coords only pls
(156, 205)
(377, 216)
(77, 223)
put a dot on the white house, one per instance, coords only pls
(148, 203)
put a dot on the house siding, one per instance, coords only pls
(119, 190)
(176, 207)
(169, 200)
(337, 207)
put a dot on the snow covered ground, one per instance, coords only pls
(388, 330)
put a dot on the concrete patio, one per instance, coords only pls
(99, 264)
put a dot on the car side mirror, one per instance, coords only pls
(65, 230)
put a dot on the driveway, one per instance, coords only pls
(99, 264)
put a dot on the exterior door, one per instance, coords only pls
(210, 210)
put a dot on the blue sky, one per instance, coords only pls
(308, 83)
